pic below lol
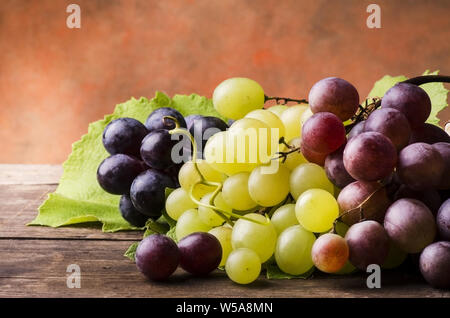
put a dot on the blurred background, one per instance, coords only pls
(54, 80)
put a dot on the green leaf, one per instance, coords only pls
(382, 86)
(171, 233)
(79, 198)
(131, 251)
(274, 272)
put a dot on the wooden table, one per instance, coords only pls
(34, 259)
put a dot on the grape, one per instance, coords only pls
(269, 118)
(312, 156)
(429, 197)
(348, 268)
(189, 222)
(429, 134)
(444, 150)
(268, 189)
(129, 212)
(334, 95)
(177, 202)
(316, 210)
(148, 192)
(284, 217)
(353, 196)
(156, 149)
(335, 169)
(235, 192)
(420, 166)
(188, 176)
(391, 123)
(368, 244)
(257, 237)
(190, 120)
(306, 115)
(410, 225)
(323, 133)
(308, 176)
(395, 258)
(202, 128)
(356, 130)
(443, 220)
(124, 135)
(292, 120)
(223, 234)
(157, 257)
(277, 109)
(409, 99)
(209, 216)
(156, 119)
(116, 173)
(236, 97)
(370, 156)
(295, 158)
(200, 253)
(243, 266)
(293, 250)
(435, 264)
(330, 253)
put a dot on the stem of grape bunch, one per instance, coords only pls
(284, 100)
(225, 215)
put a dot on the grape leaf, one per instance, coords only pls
(79, 198)
(274, 272)
(131, 251)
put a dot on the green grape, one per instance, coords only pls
(268, 189)
(278, 110)
(284, 217)
(309, 176)
(293, 250)
(188, 176)
(235, 192)
(395, 257)
(177, 202)
(316, 210)
(243, 266)
(188, 223)
(236, 97)
(223, 234)
(269, 118)
(257, 237)
(293, 160)
(291, 119)
(207, 215)
(306, 114)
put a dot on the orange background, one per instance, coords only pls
(55, 80)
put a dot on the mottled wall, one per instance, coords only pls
(55, 80)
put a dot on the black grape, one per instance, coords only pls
(156, 149)
(129, 212)
(429, 197)
(429, 134)
(190, 120)
(443, 220)
(116, 173)
(435, 264)
(156, 119)
(356, 130)
(202, 128)
(335, 169)
(409, 99)
(124, 135)
(444, 150)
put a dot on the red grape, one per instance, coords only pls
(435, 264)
(330, 253)
(323, 133)
(335, 169)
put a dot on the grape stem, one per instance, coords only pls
(284, 100)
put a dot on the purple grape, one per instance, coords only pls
(410, 225)
(156, 119)
(370, 156)
(444, 150)
(312, 156)
(200, 253)
(429, 134)
(443, 220)
(190, 120)
(157, 257)
(429, 197)
(156, 149)
(323, 133)
(356, 130)
(129, 212)
(409, 99)
(391, 123)
(368, 244)
(334, 95)
(335, 169)
(202, 128)
(116, 173)
(435, 264)
(420, 166)
(124, 135)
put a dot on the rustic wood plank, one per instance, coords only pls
(30, 174)
(37, 268)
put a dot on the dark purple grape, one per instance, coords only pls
(368, 244)
(312, 156)
(410, 225)
(156, 149)
(370, 156)
(200, 253)
(202, 128)
(323, 133)
(116, 173)
(420, 166)
(335, 170)
(148, 192)
(429, 134)
(129, 212)
(391, 123)
(334, 95)
(444, 150)
(409, 99)
(356, 130)
(429, 197)
(372, 198)
(443, 220)
(435, 264)
(190, 120)
(124, 135)
(157, 257)
(156, 119)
